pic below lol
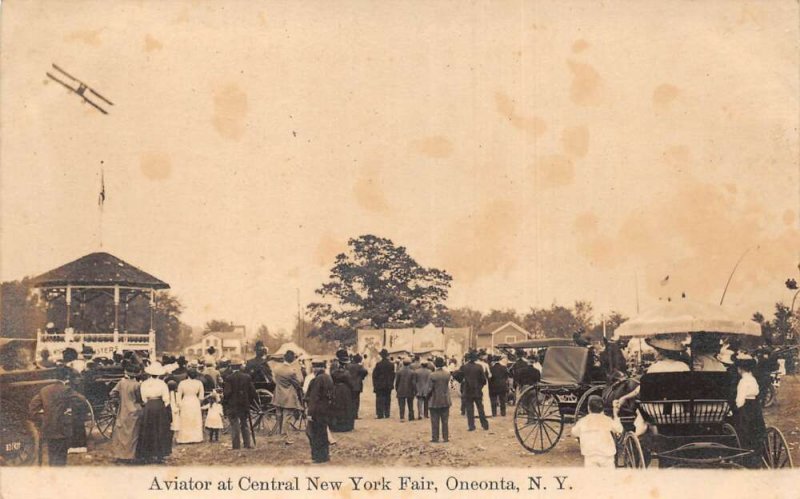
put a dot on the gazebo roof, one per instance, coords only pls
(98, 269)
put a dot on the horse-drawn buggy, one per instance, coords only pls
(568, 378)
(19, 437)
(695, 412)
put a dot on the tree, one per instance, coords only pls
(465, 317)
(219, 326)
(613, 321)
(558, 321)
(262, 333)
(782, 329)
(374, 284)
(171, 333)
(21, 312)
(503, 316)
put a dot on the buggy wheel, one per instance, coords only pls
(582, 407)
(297, 420)
(770, 396)
(107, 417)
(538, 422)
(88, 421)
(728, 429)
(632, 455)
(774, 451)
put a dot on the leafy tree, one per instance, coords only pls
(613, 321)
(782, 329)
(219, 326)
(465, 317)
(262, 333)
(375, 284)
(171, 333)
(21, 312)
(503, 316)
(558, 321)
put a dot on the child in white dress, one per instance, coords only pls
(214, 417)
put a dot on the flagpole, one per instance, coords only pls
(101, 199)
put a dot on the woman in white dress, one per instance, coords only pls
(189, 395)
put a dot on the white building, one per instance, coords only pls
(226, 344)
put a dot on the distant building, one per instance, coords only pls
(226, 344)
(498, 332)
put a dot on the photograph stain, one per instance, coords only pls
(155, 165)
(151, 44)
(507, 108)
(88, 36)
(436, 146)
(579, 46)
(586, 87)
(230, 111)
(555, 170)
(664, 95)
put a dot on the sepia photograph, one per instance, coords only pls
(426, 248)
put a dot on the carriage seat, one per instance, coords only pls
(685, 398)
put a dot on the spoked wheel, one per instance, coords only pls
(88, 418)
(297, 420)
(770, 396)
(538, 422)
(632, 455)
(775, 452)
(107, 417)
(728, 429)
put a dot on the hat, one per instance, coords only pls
(384, 353)
(236, 361)
(357, 358)
(342, 356)
(725, 356)
(318, 363)
(406, 361)
(745, 360)
(438, 362)
(155, 369)
(471, 356)
(50, 326)
(670, 344)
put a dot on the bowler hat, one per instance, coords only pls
(342, 356)
(670, 344)
(384, 353)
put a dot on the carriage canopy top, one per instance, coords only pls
(538, 343)
(686, 316)
(564, 365)
(98, 269)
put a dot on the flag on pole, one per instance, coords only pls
(101, 199)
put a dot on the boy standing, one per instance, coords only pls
(595, 433)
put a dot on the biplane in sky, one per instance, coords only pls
(80, 88)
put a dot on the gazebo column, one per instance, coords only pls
(151, 335)
(69, 303)
(116, 313)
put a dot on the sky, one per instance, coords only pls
(540, 152)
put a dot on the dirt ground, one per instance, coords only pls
(392, 443)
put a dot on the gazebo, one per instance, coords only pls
(85, 280)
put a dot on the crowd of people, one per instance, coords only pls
(171, 401)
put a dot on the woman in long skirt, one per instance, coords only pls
(189, 395)
(127, 425)
(748, 420)
(155, 437)
(342, 412)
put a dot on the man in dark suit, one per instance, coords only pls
(257, 367)
(474, 379)
(439, 401)
(382, 384)
(498, 386)
(319, 399)
(238, 394)
(406, 389)
(357, 374)
(58, 402)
